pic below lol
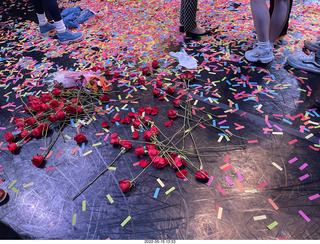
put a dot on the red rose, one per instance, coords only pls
(161, 98)
(141, 81)
(39, 116)
(116, 75)
(179, 162)
(37, 160)
(131, 114)
(25, 134)
(170, 90)
(19, 122)
(114, 135)
(115, 141)
(136, 123)
(154, 130)
(155, 64)
(147, 135)
(176, 102)
(43, 127)
(12, 147)
(8, 137)
(133, 75)
(52, 118)
(74, 100)
(79, 138)
(156, 92)
(202, 175)
(172, 113)
(105, 124)
(104, 98)
(135, 135)
(126, 144)
(153, 153)
(46, 97)
(61, 115)
(27, 109)
(144, 163)
(191, 76)
(139, 151)
(183, 76)
(159, 162)
(154, 110)
(182, 173)
(126, 120)
(159, 84)
(142, 109)
(36, 132)
(56, 92)
(36, 107)
(31, 120)
(138, 114)
(169, 123)
(145, 70)
(54, 104)
(125, 185)
(148, 110)
(79, 110)
(71, 109)
(151, 146)
(147, 119)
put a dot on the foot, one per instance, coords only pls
(305, 62)
(68, 36)
(46, 29)
(198, 30)
(312, 45)
(258, 53)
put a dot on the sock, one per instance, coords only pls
(60, 26)
(42, 19)
(264, 45)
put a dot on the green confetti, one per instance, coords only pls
(84, 205)
(74, 219)
(15, 190)
(272, 225)
(112, 168)
(125, 221)
(110, 198)
(12, 184)
(96, 144)
(170, 190)
(68, 137)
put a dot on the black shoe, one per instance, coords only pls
(181, 28)
(190, 34)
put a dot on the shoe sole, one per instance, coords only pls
(296, 66)
(74, 40)
(262, 60)
(47, 33)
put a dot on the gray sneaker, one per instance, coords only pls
(312, 45)
(264, 55)
(305, 62)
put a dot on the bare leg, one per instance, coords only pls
(261, 19)
(279, 18)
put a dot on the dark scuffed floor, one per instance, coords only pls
(237, 94)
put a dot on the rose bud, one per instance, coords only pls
(156, 92)
(12, 147)
(79, 138)
(182, 173)
(37, 160)
(3, 195)
(159, 162)
(202, 175)
(141, 81)
(155, 64)
(153, 153)
(126, 144)
(79, 110)
(144, 163)
(31, 120)
(52, 118)
(71, 109)
(161, 98)
(125, 185)
(145, 70)
(46, 97)
(25, 134)
(139, 151)
(61, 115)
(115, 141)
(154, 110)
(36, 132)
(179, 162)
(135, 135)
(159, 84)
(169, 90)
(154, 130)
(148, 110)
(172, 113)
(56, 92)
(43, 127)
(105, 124)
(147, 135)
(147, 119)
(183, 76)
(131, 114)
(176, 102)
(114, 135)
(8, 137)
(54, 104)
(104, 98)
(136, 123)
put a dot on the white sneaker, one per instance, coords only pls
(265, 55)
(305, 62)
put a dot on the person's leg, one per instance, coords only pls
(286, 26)
(188, 14)
(278, 18)
(38, 6)
(261, 19)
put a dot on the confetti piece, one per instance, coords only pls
(85, 154)
(74, 150)
(239, 185)
(273, 204)
(260, 217)
(293, 141)
(310, 135)
(250, 191)
(100, 134)
(229, 181)
(59, 153)
(170, 190)
(292, 160)
(27, 185)
(239, 176)
(253, 141)
(68, 137)
(15, 190)
(262, 185)
(220, 189)
(74, 219)
(303, 166)
(272, 225)
(220, 213)
(227, 158)
(110, 198)
(226, 167)
(156, 193)
(49, 154)
(11, 185)
(277, 166)
(96, 144)
(304, 216)
(210, 180)
(83, 205)
(314, 197)
(125, 221)
(160, 182)
(304, 177)
(47, 169)
(112, 168)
